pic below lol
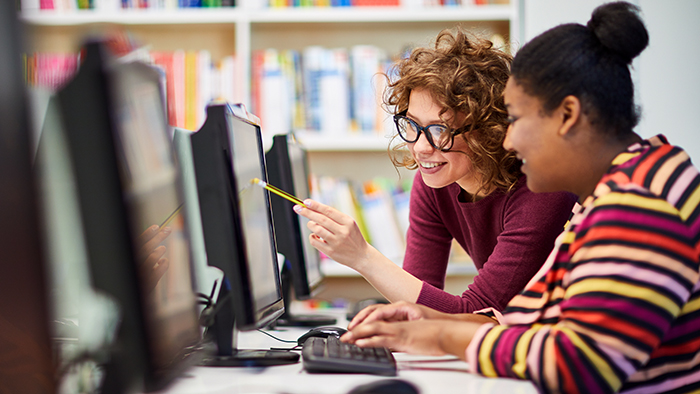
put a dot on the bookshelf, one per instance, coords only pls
(246, 28)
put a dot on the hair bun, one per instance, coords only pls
(619, 28)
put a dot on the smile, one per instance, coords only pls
(431, 165)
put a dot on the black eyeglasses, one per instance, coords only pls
(439, 136)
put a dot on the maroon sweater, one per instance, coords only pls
(507, 235)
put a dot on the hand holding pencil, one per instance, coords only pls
(277, 191)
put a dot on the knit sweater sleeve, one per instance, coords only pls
(530, 224)
(620, 279)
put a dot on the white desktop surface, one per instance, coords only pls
(433, 375)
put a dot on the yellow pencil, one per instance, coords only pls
(279, 192)
(171, 217)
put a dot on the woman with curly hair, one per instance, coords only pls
(468, 187)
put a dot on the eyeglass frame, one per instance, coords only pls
(420, 129)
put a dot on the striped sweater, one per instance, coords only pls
(616, 308)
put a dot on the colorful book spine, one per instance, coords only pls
(191, 94)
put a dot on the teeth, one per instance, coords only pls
(430, 165)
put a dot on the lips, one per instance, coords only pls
(431, 165)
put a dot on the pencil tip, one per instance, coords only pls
(254, 181)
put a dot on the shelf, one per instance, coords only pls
(353, 142)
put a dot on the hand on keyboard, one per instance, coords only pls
(323, 355)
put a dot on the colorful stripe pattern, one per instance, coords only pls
(619, 309)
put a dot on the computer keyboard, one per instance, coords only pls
(331, 355)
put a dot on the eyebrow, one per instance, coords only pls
(438, 121)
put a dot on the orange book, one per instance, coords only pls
(191, 94)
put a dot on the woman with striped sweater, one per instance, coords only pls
(616, 307)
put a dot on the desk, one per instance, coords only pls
(434, 375)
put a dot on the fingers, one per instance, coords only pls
(326, 210)
(153, 276)
(153, 242)
(362, 315)
(324, 215)
(152, 259)
(147, 234)
(370, 335)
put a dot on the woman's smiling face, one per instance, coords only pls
(439, 169)
(532, 135)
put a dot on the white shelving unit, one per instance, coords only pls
(241, 30)
(248, 29)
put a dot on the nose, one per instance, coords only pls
(507, 144)
(422, 145)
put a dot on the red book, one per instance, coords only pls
(165, 61)
(46, 4)
(256, 72)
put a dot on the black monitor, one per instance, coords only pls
(238, 235)
(288, 169)
(24, 315)
(113, 117)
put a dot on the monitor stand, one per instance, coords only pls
(223, 334)
(289, 320)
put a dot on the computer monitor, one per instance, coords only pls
(288, 169)
(113, 117)
(238, 235)
(24, 322)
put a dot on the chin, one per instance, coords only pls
(538, 187)
(432, 182)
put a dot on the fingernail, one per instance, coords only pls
(307, 202)
(297, 208)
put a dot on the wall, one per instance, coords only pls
(665, 74)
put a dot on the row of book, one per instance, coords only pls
(107, 5)
(380, 3)
(71, 5)
(190, 80)
(379, 207)
(331, 91)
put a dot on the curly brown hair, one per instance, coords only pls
(463, 73)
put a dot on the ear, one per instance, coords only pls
(570, 111)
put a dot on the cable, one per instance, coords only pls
(275, 338)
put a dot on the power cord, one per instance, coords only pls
(297, 347)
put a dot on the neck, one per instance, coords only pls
(597, 160)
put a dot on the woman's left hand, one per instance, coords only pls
(427, 337)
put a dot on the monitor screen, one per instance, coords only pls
(300, 174)
(238, 235)
(152, 194)
(288, 170)
(256, 218)
(135, 233)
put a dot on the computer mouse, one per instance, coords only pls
(323, 332)
(386, 386)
